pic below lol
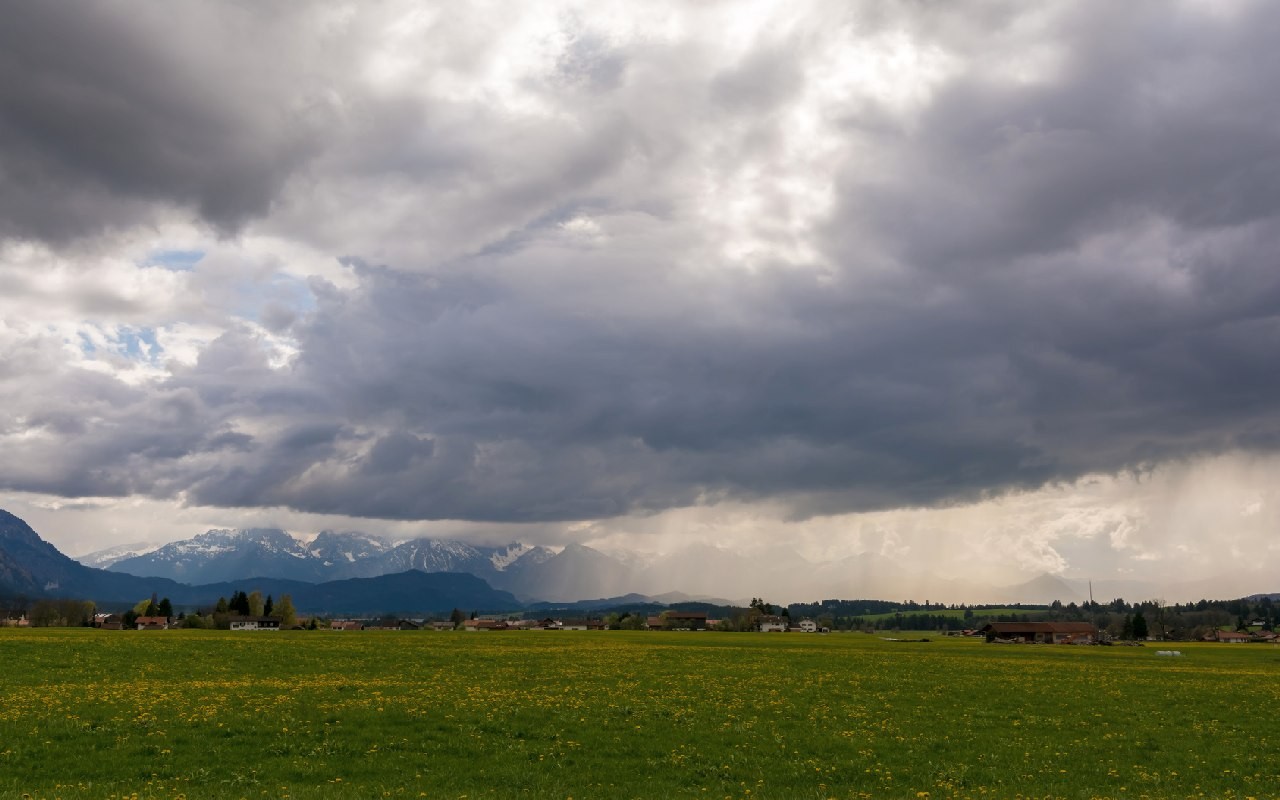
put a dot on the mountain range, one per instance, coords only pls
(32, 567)
(509, 576)
(573, 574)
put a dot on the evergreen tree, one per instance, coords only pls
(221, 607)
(165, 609)
(457, 617)
(1139, 626)
(239, 603)
(268, 607)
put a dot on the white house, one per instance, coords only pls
(255, 623)
(772, 624)
(808, 626)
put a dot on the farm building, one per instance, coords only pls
(774, 624)
(1233, 637)
(1041, 632)
(686, 620)
(255, 623)
(153, 623)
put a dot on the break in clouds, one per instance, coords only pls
(566, 263)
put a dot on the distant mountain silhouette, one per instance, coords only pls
(31, 566)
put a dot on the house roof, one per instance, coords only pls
(152, 620)
(1039, 627)
(686, 615)
(259, 620)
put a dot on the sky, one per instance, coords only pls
(987, 288)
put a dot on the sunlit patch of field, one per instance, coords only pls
(199, 714)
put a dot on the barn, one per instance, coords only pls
(1041, 632)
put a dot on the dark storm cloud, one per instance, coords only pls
(108, 111)
(1027, 280)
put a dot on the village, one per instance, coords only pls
(1031, 632)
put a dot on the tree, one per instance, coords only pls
(268, 607)
(1139, 626)
(221, 607)
(239, 604)
(457, 617)
(140, 608)
(255, 603)
(165, 609)
(288, 615)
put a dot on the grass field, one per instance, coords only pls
(196, 714)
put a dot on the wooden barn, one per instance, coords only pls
(1041, 632)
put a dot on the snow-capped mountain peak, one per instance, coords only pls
(101, 559)
(504, 557)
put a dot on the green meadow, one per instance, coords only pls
(203, 714)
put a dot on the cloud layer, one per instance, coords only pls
(574, 263)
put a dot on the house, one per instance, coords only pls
(239, 623)
(108, 622)
(346, 625)
(1233, 637)
(20, 622)
(153, 623)
(446, 625)
(770, 623)
(409, 625)
(582, 625)
(484, 625)
(1041, 632)
(808, 626)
